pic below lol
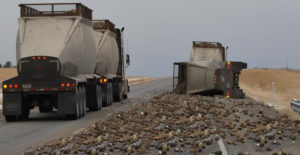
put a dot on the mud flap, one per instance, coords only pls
(12, 104)
(66, 103)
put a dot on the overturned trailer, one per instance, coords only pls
(208, 72)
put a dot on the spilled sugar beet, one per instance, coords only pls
(182, 124)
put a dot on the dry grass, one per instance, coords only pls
(257, 83)
(7, 73)
(137, 79)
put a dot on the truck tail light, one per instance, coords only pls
(68, 84)
(227, 94)
(228, 65)
(5, 86)
(39, 57)
(215, 79)
(103, 80)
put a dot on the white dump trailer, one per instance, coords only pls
(208, 72)
(65, 62)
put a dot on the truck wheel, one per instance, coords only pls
(81, 96)
(98, 104)
(25, 112)
(125, 96)
(11, 118)
(110, 94)
(44, 109)
(99, 97)
(76, 115)
(83, 105)
(118, 94)
(107, 100)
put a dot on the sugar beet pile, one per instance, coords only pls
(182, 124)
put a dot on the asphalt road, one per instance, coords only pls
(16, 137)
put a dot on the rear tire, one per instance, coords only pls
(83, 101)
(118, 94)
(98, 104)
(111, 94)
(25, 113)
(11, 118)
(25, 110)
(76, 115)
(44, 109)
(108, 97)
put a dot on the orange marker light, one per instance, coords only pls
(73, 84)
(105, 80)
(39, 58)
(228, 94)
(228, 65)
(101, 80)
(10, 86)
(33, 58)
(44, 58)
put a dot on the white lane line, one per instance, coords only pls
(222, 146)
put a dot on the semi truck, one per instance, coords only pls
(208, 72)
(65, 61)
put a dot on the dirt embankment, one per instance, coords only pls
(257, 83)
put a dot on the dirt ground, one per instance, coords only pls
(257, 83)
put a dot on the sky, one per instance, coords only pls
(159, 32)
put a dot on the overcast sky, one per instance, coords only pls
(263, 33)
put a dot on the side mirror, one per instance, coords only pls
(127, 59)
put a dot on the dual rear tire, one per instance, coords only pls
(80, 104)
(24, 115)
(108, 95)
(98, 105)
